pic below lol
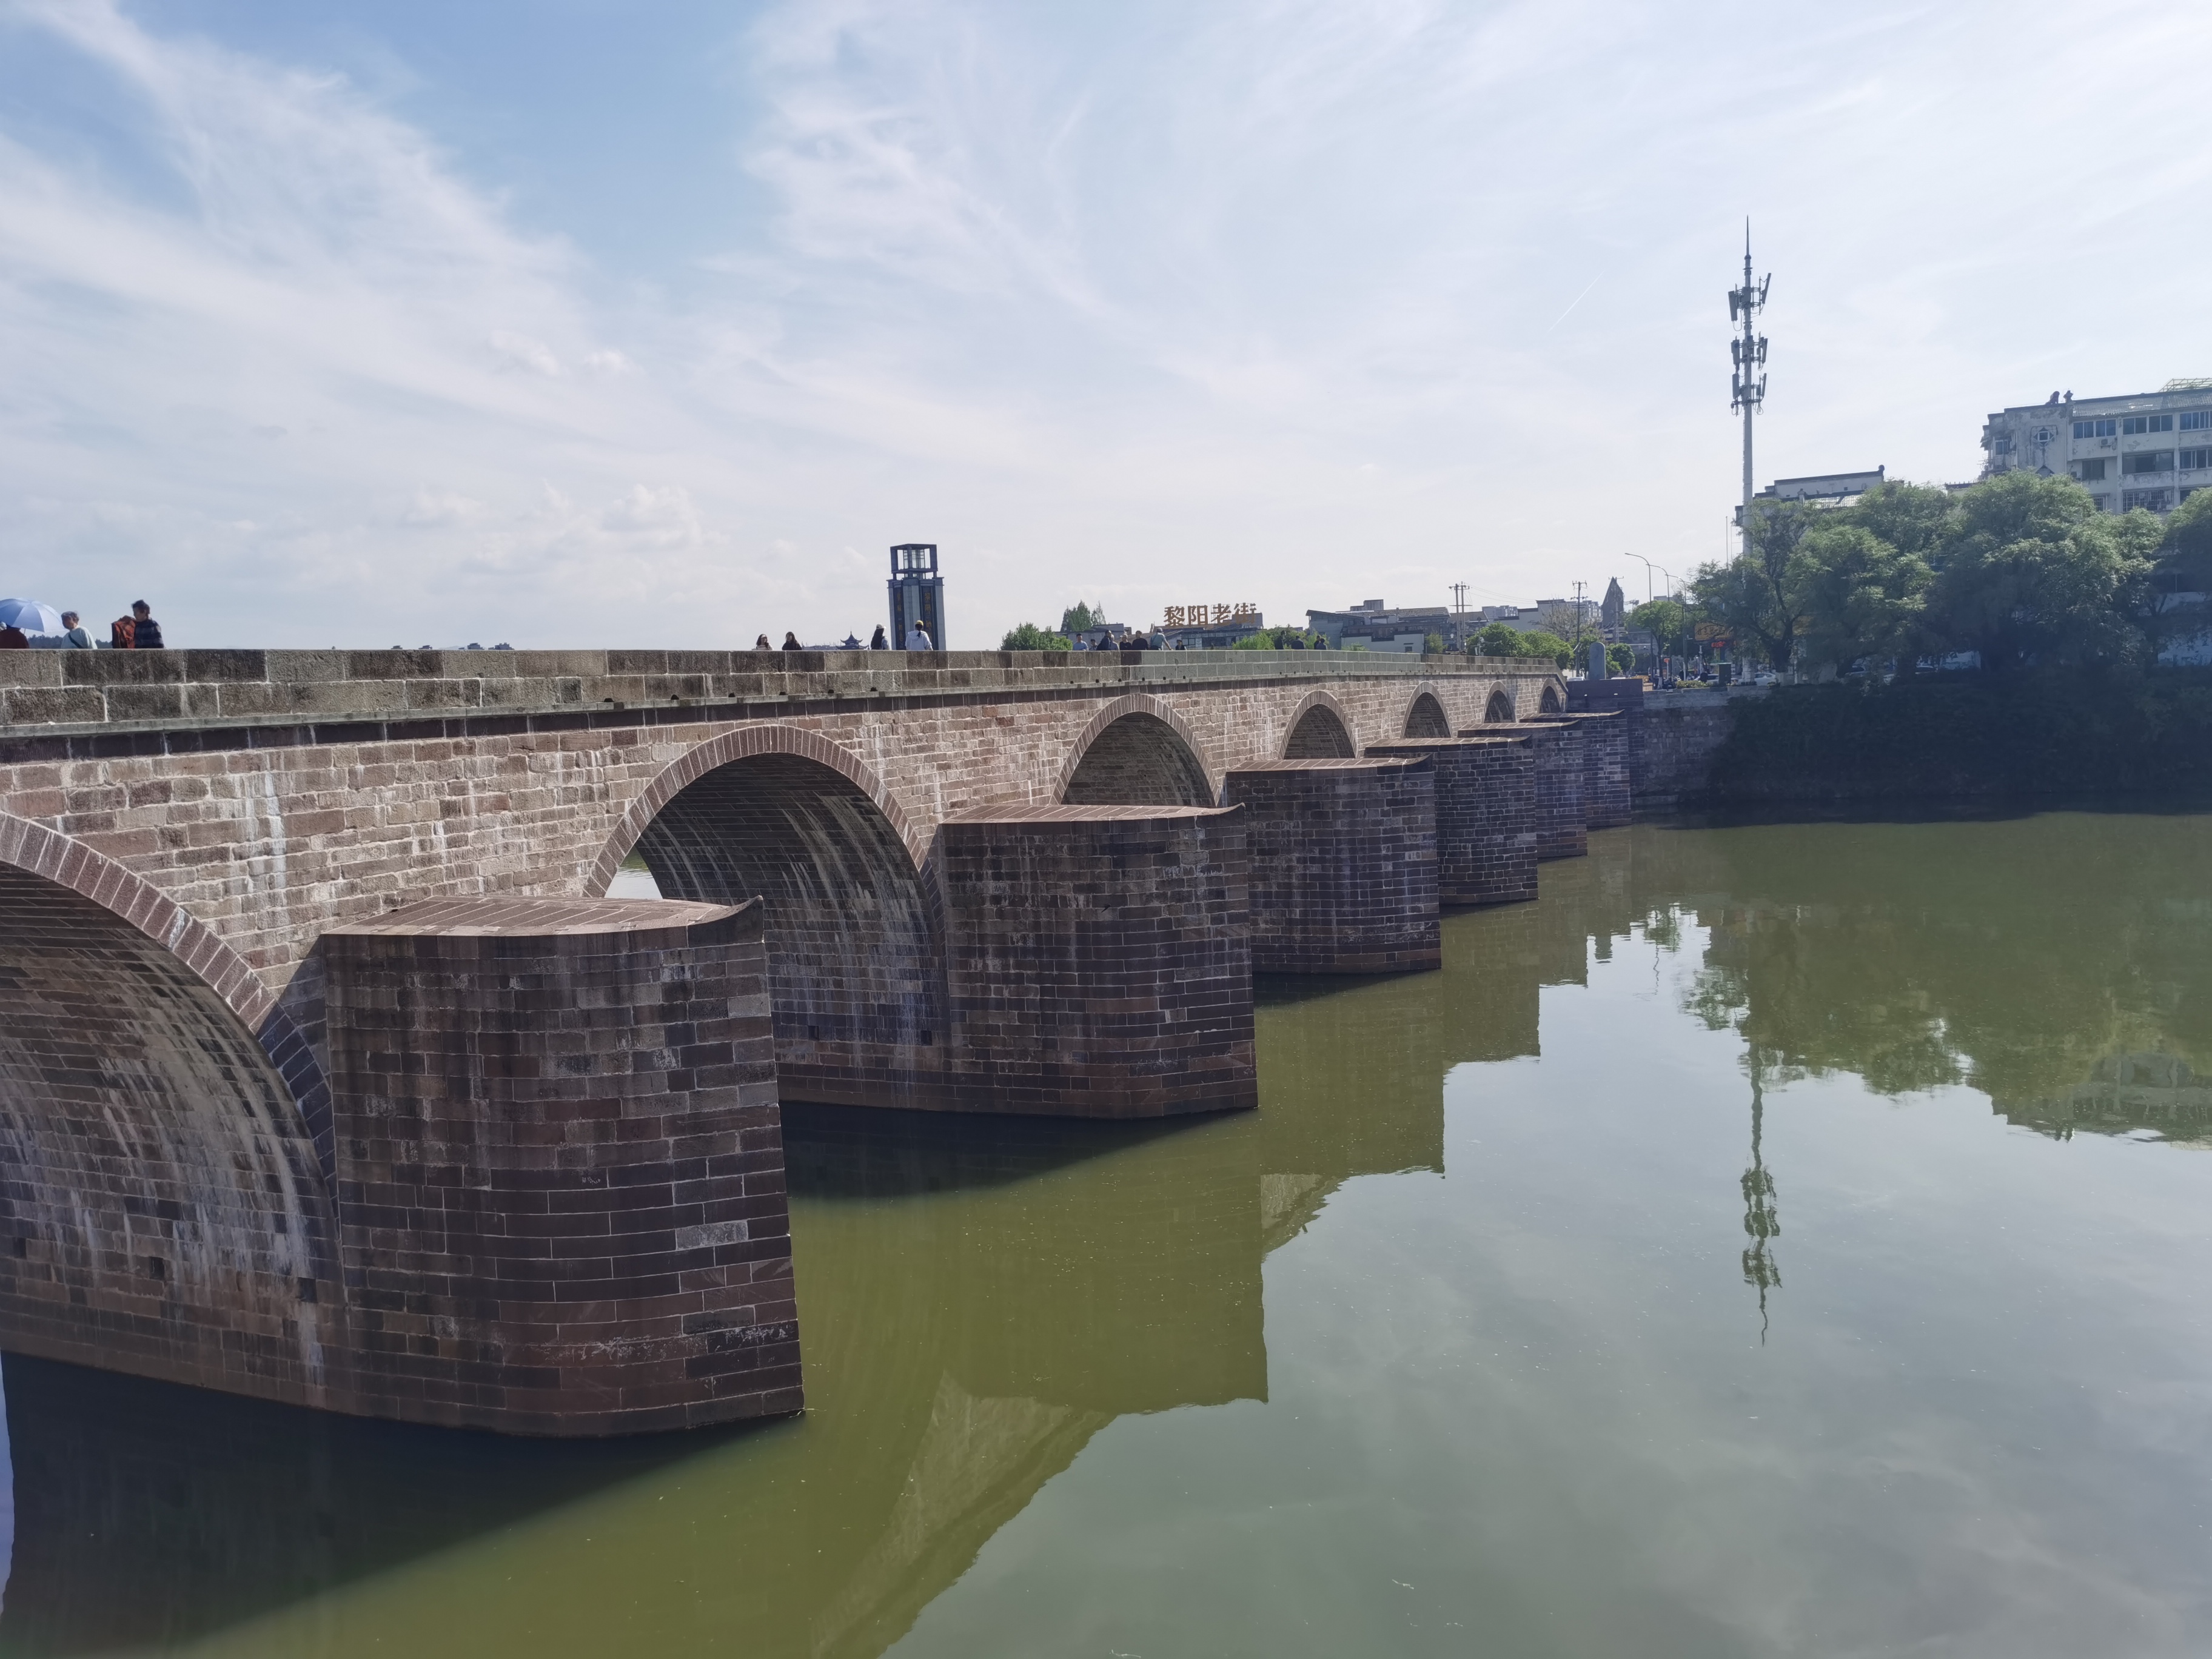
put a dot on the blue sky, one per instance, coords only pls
(574, 324)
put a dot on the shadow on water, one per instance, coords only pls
(147, 1514)
(982, 1297)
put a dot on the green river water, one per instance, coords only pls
(1780, 1239)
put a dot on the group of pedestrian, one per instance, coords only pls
(917, 639)
(137, 631)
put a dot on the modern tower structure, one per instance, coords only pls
(917, 593)
(1749, 350)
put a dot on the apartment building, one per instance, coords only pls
(2151, 450)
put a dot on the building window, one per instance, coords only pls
(2196, 420)
(2095, 429)
(2148, 460)
(2156, 500)
(2090, 471)
(2191, 460)
(2135, 423)
(2104, 502)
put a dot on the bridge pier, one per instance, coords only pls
(1562, 830)
(1604, 734)
(1098, 961)
(560, 1167)
(1344, 864)
(1485, 790)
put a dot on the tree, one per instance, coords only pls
(1543, 645)
(1619, 658)
(1497, 640)
(2034, 573)
(1761, 597)
(2185, 556)
(1914, 519)
(1027, 636)
(1079, 617)
(1432, 645)
(1864, 598)
(1668, 623)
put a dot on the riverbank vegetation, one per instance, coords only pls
(2020, 570)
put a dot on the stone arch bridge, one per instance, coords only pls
(332, 1073)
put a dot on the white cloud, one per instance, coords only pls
(1268, 299)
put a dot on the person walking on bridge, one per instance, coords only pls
(138, 631)
(74, 634)
(917, 639)
(878, 642)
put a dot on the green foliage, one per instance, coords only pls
(1497, 640)
(1027, 636)
(1762, 597)
(1433, 644)
(2032, 572)
(1278, 639)
(1079, 617)
(1863, 596)
(2185, 556)
(1504, 639)
(2020, 568)
(1667, 620)
(1619, 658)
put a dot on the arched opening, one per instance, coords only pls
(1551, 704)
(855, 986)
(1425, 719)
(164, 1212)
(1501, 706)
(1319, 735)
(1139, 760)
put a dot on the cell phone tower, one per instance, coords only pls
(1749, 350)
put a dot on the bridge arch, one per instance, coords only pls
(1425, 717)
(1319, 729)
(1500, 707)
(1137, 752)
(856, 976)
(1552, 703)
(165, 1132)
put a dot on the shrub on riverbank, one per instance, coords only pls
(2016, 735)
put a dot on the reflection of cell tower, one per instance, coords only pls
(1760, 1219)
(1749, 350)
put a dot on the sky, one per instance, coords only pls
(574, 324)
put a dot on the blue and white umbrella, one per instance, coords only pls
(31, 616)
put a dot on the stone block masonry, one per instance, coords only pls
(1485, 790)
(1562, 831)
(1099, 961)
(1607, 794)
(560, 1168)
(1343, 857)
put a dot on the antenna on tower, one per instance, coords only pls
(1747, 393)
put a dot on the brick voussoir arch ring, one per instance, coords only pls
(1136, 703)
(1318, 698)
(146, 909)
(1435, 692)
(765, 739)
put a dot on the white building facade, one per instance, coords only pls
(2151, 450)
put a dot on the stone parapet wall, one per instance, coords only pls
(1485, 789)
(1099, 961)
(560, 1170)
(1344, 864)
(80, 691)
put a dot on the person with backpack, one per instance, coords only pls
(145, 632)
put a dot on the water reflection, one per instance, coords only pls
(2057, 963)
(985, 1297)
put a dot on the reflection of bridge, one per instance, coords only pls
(985, 1297)
(331, 1077)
